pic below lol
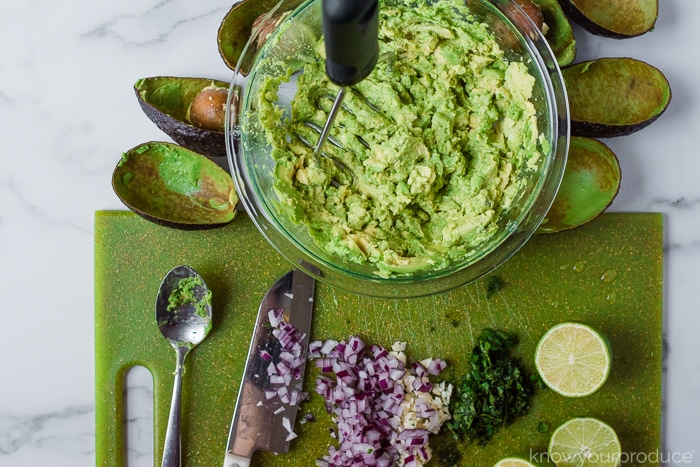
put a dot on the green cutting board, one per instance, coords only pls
(608, 273)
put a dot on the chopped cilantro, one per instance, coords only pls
(495, 391)
(543, 427)
(494, 284)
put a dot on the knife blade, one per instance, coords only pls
(259, 423)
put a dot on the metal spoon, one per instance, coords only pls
(183, 314)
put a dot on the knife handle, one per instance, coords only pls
(232, 460)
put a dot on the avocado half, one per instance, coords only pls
(175, 187)
(620, 19)
(591, 181)
(614, 96)
(236, 28)
(166, 101)
(559, 33)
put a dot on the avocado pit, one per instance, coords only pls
(208, 108)
(167, 101)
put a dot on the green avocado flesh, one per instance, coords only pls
(614, 96)
(171, 185)
(235, 29)
(442, 140)
(591, 182)
(558, 31)
(618, 19)
(185, 293)
(173, 95)
(166, 100)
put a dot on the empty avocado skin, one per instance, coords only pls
(618, 20)
(611, 97)
(175, 187)
(166, 100)
(559, 33)
(590, 184)
(236, 28)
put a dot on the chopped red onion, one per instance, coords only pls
(382, 407)
(285, 367)
(328, 346)
(274, 316)
(436, 366)
(315, 349)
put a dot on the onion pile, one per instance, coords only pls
(383, 408)
(286, 368)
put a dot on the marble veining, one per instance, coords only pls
(64, 431)
(68, 111)
(152, 23)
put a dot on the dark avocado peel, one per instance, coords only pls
(591, 182)
(236, 28)
(166, 100)
(619, 19)
(175, 187)
(611, 97)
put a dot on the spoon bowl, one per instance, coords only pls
(183, 315)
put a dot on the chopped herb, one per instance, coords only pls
(494, 284)
(543, 427)
(495, 391)
(536, 379)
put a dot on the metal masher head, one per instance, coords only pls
(351, 29)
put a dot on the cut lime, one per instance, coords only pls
(573, 359)
(585, 442)
(513, 462)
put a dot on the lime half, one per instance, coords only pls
(583, 442)
(513, 462)
(573, 359)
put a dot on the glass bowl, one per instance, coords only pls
(289, 41)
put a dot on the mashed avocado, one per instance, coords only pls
(183, 294)
(439, 139)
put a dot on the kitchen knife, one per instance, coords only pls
(259, 423)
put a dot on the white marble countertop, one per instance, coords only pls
(67, 112)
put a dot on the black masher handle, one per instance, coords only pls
(350, 28)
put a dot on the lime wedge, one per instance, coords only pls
(573, 359)
(585, 442)
(513, 462)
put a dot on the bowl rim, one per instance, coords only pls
(509, 239)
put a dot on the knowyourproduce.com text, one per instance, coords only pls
(625, 458)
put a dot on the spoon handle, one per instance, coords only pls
(171, 448)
